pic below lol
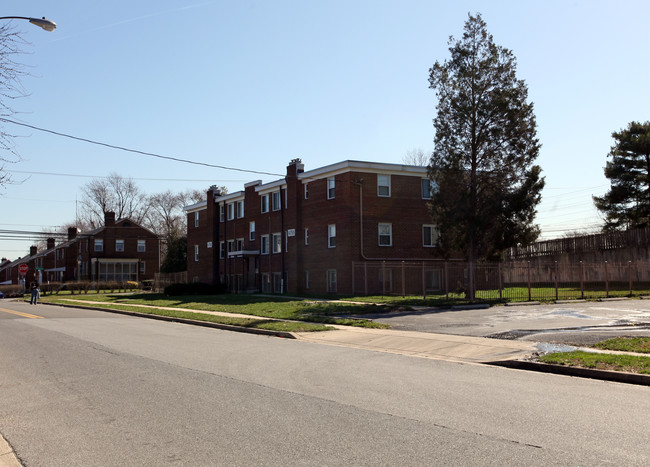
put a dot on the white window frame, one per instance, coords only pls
(276, 242)
(331, 236)
(196, 219)
(276, 201)
(264, 203)
(240, 209)
(196, 253)
(432, 239)
(231, 211)
(383, 226)
(251, 231)
(264, 244)
(331, 188)
(383, 181)
(306, 236)
(142, 246)
(306, 190)
(143, 267)
(222, 214)
(428, 187)
(222, 249)
(231, 246)
(99, 245)
(119, 245)
(332, 285)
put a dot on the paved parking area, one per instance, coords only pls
(577, 323)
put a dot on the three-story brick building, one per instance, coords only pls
(304, 233)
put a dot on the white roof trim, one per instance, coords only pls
(196, 207)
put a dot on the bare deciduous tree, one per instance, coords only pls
(416, 157)
(114, 193)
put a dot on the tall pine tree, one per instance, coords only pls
(627, 203)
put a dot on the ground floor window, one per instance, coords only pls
(331, 280)
(266, 283)
(277, 282)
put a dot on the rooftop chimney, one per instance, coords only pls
(109, 219)
(33, 250)
(72, 232)
(50, 243)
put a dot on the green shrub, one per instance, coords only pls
(12, 290)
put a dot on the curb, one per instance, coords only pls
(171, 319)
(7, 455)
(604, 375)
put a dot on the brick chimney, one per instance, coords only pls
(295, 167)
(50, 243)
(109, 219)
(72, 232)
(33, 250)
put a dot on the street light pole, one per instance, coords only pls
(44, 23)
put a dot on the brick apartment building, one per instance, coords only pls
(303, 234)
(118, 251)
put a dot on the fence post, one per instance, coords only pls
(424, 283)
(529, 295)
(403, 285)
(446, 282)
(629, 275)
(582, 281)
(500, 283)
(556, 291)
(606, 282)
(365, 278)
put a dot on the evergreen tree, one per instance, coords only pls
(485, 146)
(627, 203)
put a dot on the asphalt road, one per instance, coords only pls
(90, 388)
(578, 323)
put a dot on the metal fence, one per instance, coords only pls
(162, 280)
(518, 281)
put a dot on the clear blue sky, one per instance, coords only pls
(254, 84)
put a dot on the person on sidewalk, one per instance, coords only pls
(36, 293)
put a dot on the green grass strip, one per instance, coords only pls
(599, 361)
(626, 344)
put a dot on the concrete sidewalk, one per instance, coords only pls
(428, 345)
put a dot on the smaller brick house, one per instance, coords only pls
(118, 251)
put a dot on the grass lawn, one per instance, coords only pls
(607, 361)
(278, 308)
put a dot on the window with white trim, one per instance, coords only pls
(99, 244)
(240, 209)
(142, 246)
(429, 187)
(306, 190)
(231, 246)
(277, 243)
(306, 236)
(119, 245)
(331, 236)
(265, 203)
(276, 201)
(430, 235)
(385, 232)
(383, 185)
(222, 250)
(240, 244)
(221, 213)
(142, 267)
(196, 219)
(331, 188)
(231, 211)
(331, 280)
(196, 253)
(264, 244)
(251, 231)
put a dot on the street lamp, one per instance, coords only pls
(44, 23)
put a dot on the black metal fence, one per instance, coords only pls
(513, 281)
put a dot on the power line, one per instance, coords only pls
(112, 146)
(108, 176)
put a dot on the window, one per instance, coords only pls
(266, 282)
(196, 253)
(276, 201)
(383, 185)
(119, 245)
(277, 243)
(222, 250)
(331, 280)
(385, 234)
(429, 235)
(331, 236)
(240, 244)
(142, 267)
(231, 246)
(196, 219)
(221, 213)
(265, 203)
(331, 185)
(142, 246)
(306, 236)
(251, 231)
(99, 244)
(264, 247)
(277, 282)
(306, 279)
(306, 191)
(428, 188)
(240, 209)
(231, 211)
